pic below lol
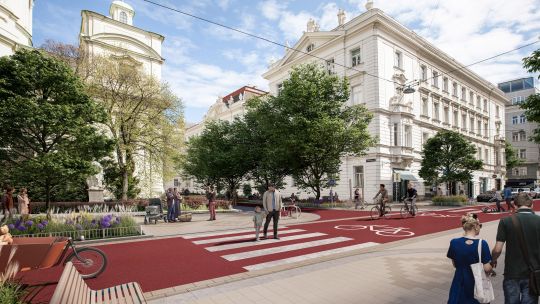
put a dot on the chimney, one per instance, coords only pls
(341, 17)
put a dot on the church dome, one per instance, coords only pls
(122, 12)
(122, 4)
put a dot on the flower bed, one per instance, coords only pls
(75, 224)
(454, 200)
(39, 207)
(194, 203)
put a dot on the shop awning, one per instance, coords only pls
(406, 175)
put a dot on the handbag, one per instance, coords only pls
(534, 274)
(483, 289)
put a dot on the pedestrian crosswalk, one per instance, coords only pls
(294, 245)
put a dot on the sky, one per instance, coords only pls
(203, 61)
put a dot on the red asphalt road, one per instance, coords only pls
(163, 263)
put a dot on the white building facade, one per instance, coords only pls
(381, 56)
(15, 25)
(116, 36)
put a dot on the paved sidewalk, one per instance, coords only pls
(415, 271)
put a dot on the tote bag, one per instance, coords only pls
(483, 290)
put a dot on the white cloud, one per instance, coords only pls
(293, 25)
(271, 9)
(224, 4)
(176, 50)
(249, 60)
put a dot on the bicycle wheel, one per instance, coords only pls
(89, 262)
(295, 212)
(374, 213)
(414, 210)
(387, 211)
(405, 212)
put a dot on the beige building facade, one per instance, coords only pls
(15, 25)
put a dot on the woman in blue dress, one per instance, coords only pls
(464, 251)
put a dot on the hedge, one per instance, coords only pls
(39, 207)
(453, 200)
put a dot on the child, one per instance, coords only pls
(258, 216)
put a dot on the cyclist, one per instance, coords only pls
(381, 198)
(411, 197)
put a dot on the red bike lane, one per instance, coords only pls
(168, 262)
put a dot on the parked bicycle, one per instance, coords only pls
(409, 208)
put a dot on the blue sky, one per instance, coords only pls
(204, 61)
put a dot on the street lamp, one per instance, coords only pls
(408, 90)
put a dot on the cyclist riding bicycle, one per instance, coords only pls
(381, 198)
(411, 196)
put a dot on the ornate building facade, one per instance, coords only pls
(15, 25)
(381, 56)
(116, 36)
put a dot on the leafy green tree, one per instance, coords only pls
(316, 126)
(511, 156)
(532, 104)
(217, 155)
(50, 134)
(449, 157)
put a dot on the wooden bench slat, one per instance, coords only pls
(139, 292)
(70, 286)
(61, 287)
(127, 297)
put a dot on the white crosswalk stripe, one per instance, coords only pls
(305, 257)
(267, 251)
(217, 233)
(241, 237)
(265, 242)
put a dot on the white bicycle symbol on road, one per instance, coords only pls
(382, 230)
(438, 215)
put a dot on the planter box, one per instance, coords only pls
(185, 217)
(449, 204)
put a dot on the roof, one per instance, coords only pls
(243, 90)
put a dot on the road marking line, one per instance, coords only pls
(241, 237)
(223, 232)
(310, 256)
(462, 210)
(267, 251)
(272, 241)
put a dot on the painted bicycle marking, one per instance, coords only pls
(382, 230)
(437, 215)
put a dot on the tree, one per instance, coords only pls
(142, 117)
(511, 157)
(217, 155)
(316, 126)
(532, 104)
(50, 133)
(449, 158)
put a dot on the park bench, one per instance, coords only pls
(72, 289)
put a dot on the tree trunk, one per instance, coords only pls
(317, 193)
(48, 198)
(125, 183)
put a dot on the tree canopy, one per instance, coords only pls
(50, 127)
(511, 157)
(532, 103)
(449, 157)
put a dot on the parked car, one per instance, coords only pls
(536, 192)
(485, 197)
(515, 191)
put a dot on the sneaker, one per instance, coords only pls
(264, 237)
(257, 239)
(276, 237)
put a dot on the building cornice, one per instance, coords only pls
(125, 25)
(89, 40)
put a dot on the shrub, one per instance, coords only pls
(39, 207)
(223, 204)
(454, 200)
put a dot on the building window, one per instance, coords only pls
(425, 137)
(425, 109)
(436, 111)
(395, 134)
(523, 153)
(463, 94)
(522, 136)
(472, 124)
(123, 17)
(485, 105)
(523, 171)
(522, 119)
(497, 111)
(355, 57)
(398, 59)
(515, 171)
(357, 94)
(478, 102)
(486, 156)
(486, 131)
(479, 126)
(330, 67)
(446, 115)
(310, 47)
(436, 79)
(497, 159)
(515, 136)
(358, 176)
(471, 96)
(408, 136)
(176, 183)
(517, 100)
(423, 73)
(454, 89)
(445, 84)
(514, 120)
(464, 121)
(479, 149)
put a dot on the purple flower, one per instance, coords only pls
(21, 228)
(45, 222)
(93, 221)
(106, 224)
(11, 226)
(29, 223)
(40, 226)
(18, 223)
(118, 220)
(69, 222)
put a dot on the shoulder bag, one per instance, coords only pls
(534, 274)
(483, 289)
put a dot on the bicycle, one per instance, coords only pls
(85, 258)
(379, 210)
(382, 230)
(407, 210)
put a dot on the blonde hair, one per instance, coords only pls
(469, 221)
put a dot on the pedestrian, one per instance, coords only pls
(521, 233)
(257, 221)
(23, 202)
(170, 205)
(272, 205)
(177, 201)
(497, 198)
(463, 252)
(508, 198)
(357, 199)
(211, 196)
(331, 195)
(7, 203)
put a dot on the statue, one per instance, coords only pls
(341, 17)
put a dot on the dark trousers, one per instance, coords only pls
(271, 215)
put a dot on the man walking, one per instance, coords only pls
(521, 234)
(272, 205)
(170, 205)
(508, 198)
